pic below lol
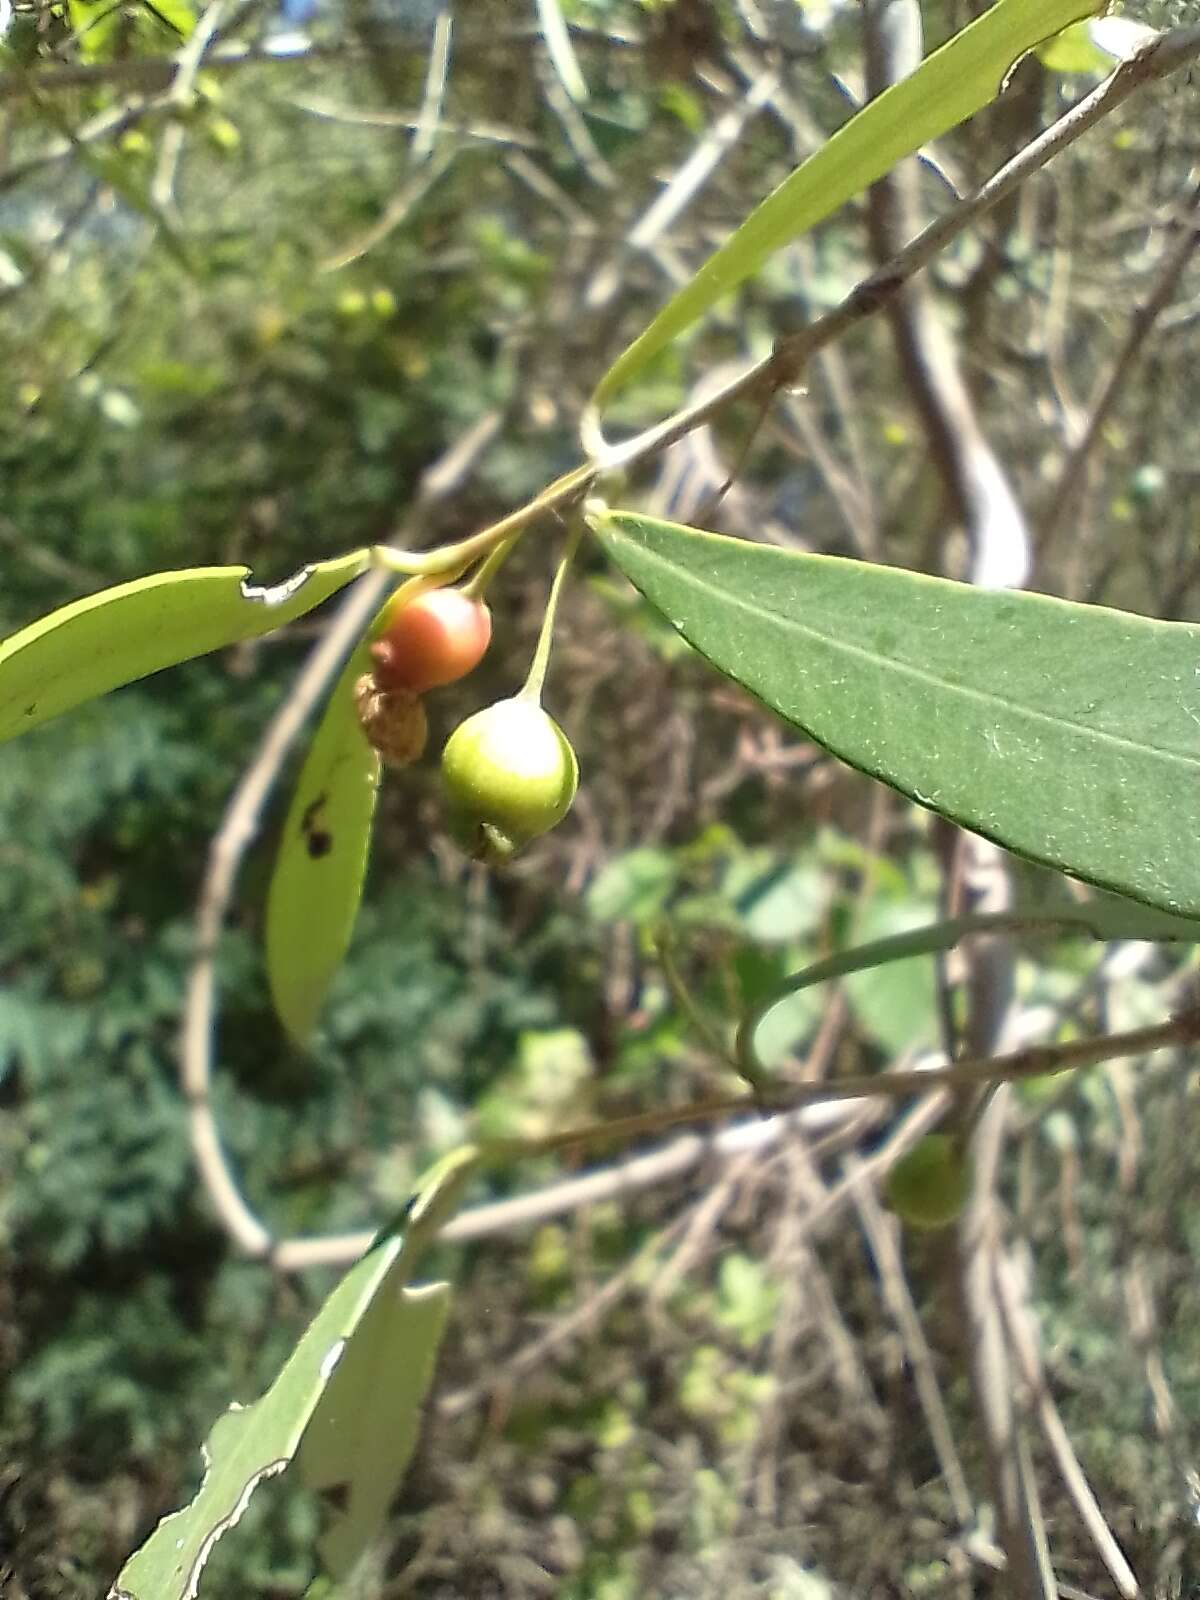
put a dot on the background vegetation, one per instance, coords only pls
(245, 320)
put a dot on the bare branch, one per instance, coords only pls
(1165, 54)
(881, 1235)
(974, 480)
(162, 185)
(1141, 327)
(237, 830)
(1023, 1341)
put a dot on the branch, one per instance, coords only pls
(681, 1155)
(1141, 326)
(784, 367)
(1023, 1342)
(1019, 1525)
(238, 828)
(973, 478)
(162, 185)
(621, 1181)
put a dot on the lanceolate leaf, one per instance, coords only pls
(1068, 733)
(249, 1445)
(947, 88)
(364, 1432)
(367, 1356)
(317, 882)
(119, 635)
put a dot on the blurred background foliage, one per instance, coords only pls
(243, 313)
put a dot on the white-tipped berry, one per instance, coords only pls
(431, 640)
(509, 775)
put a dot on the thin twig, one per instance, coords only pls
(238, 828)
(363, 117)
(579, 137)
(1022, 1339)
(413, 190)
(1019, 1526)
(685, 184)
(1141, 326)
(560, 49)
(162, 185)
(784, 366)
(973, 478)
(681, 1155)
(880, 1231)
(620, 1181)
(435, 87)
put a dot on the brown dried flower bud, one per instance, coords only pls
(393, 721)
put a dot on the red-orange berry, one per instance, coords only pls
(432, 640)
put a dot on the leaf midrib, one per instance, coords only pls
(979, 696)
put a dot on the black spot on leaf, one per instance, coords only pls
(318, 841)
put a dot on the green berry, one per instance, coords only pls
(929, 1185)
(509, 775)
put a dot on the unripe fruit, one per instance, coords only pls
(393, 721)
(509, 774)
(435, 639)
(929, 1185)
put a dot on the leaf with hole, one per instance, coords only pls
(348, 1400)
(252, 1444)
(363, 1434)
(109, 639)
(1068, 733)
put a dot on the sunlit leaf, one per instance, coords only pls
(364, 1432)
(249, 1445)
(633, 886)
(119, 635)
(317, 881)
(353, 1386)
(950, 85)
(1073, 51)
(1068, 733)
(896, 1003)
(787, 905)
(94, 24)
(177, 14)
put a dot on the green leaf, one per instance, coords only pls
(1068, 733)
(317, 881)
(119, 635)
(95, 24)
(1074, 52)
(354, 1383)
(896, 1003)
(179, 15)
(948, 87)
(787, 905)
(250, 1445)
(364, 1432)
(633, 886)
